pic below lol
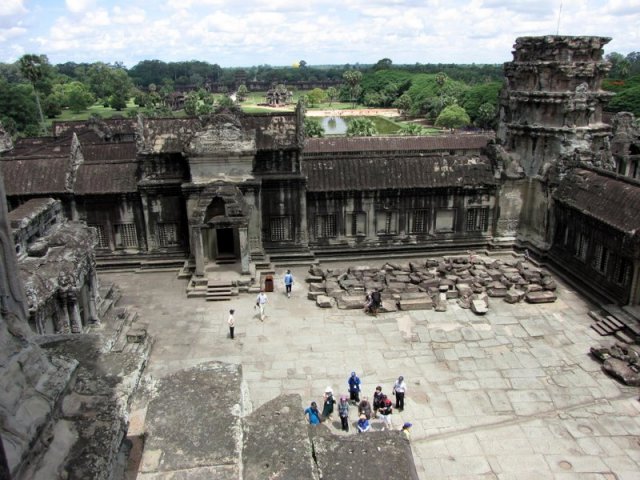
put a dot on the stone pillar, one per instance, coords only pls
(634, 290)
(198, 253)
(76, 321)
(63, 326)
(304, 229)
(245, 253)
(92, 281)
(151, 244)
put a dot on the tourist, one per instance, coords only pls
(405, 429)
(363, 424)
(232, 323)
(261, 302)
(313, 413)
(288, 282)
(367, 302)
(377, 400)
(385, 411)
(343, 412)
(329, 402)
(399, 389)
(354, 388)
(364, 408)
(376, 302)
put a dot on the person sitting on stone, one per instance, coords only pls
(363, 424)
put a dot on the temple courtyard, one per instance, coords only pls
(512, 394)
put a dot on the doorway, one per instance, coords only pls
(225, 242)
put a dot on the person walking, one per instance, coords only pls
(261, 302)
(313, 413)
(288, 282)
(399, 389)
(385, 412)
(363, 424)
(329, 402)
(231, 322)
(343, 412)
(354, 388)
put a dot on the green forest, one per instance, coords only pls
(34, 92)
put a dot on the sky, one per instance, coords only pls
(241, 33)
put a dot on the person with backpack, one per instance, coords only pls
(377, 400)
(329, 402)
(385, 412)
(354, 388)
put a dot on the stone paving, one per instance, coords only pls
(513, 394)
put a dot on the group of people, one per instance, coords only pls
(261, 303)
(382, 406)
(373, 302)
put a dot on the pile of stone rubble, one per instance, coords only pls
(469, 280)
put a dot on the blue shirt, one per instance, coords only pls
(314, 415)
(288, 279)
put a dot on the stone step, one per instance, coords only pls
(613, 322)
(600, 330)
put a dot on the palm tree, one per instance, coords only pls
(33, 68)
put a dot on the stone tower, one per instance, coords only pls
(551, 104)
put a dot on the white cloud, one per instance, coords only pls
(12, 7)
(78, 6)
(129, 15)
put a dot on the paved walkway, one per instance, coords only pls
(510, 395)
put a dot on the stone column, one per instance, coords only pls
(196, 234)
(76, 321)
(245, 253)
(92, 281)
(151, 244)
(304, 229)
(634, 290)
(63, 325)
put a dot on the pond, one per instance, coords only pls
(334, 125)
(338, 125)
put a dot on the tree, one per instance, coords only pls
(18, 111)
(242, 93)
(78, 96)
(383, 64)
(332, 94)
(453, 116)
(353, 79)
(316, 96)
(486, 117)
(191, 103)
(411, 129)
(313, 128)
(361, 127)
(34, 68)
(403, 103)
(302, 64)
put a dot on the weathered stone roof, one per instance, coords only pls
(609, 199)
(35, 176)
(379, 173)
(104, 178)
(396, 143)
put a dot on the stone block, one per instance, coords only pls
(548, 283)
(494, 274)
(464, 289)
(316, 271)
(410, 287)
(479, 307)
(388, 305)
(496, 289)
(350, 302)
(533, 288)
(514, 296)
(452, 294)
(544, 296)
(415, 301)
(396, 286)
(314, 295)
(324, 301)
(317, 288)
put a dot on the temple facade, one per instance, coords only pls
(252, 190)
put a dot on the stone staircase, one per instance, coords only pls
(220, 290)
(616, 321)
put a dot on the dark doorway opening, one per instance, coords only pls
(224, 237)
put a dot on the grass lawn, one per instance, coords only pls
(96, 109)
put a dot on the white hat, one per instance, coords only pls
(328, 390)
